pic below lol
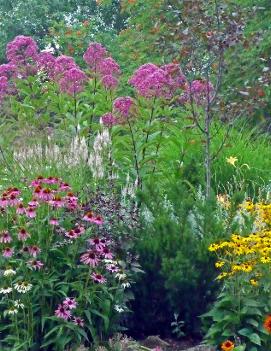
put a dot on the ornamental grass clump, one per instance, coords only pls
(242, 310)
(61, 279)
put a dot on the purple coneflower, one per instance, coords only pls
(5, 237)
(20, 209)
(30, 212)
(57, 202)
(90, 258)
(63, 312)
(23, 235)
(46, 194)
(71, 234)
(64, 187)
(54, 221)
(78, 321)
(34, 250)
(35, 264)
(112, 268)
(70, 303)
(106, 253)
(98, 278)
(8, 252)
(33, 203)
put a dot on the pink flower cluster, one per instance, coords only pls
(108, 67)
(152, 81)
(122, 110)
(22, 50)
(25, 60)
(94, 55)
(198, 91)
(52, 192)
(46, 63)
(3, 87)
(64, 311)
(105, 67)
(109, 120)
(123, 105)
(7, 70)
(62, 64)
(72, 81)
(22, 54)
(65, 72)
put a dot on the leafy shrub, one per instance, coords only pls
(179, 273)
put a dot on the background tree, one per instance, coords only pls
(34, 18)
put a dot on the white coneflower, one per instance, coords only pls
(121, 276)
(23, 287)
(118, 308)
(18, 304)
(12, 311)
(5, 290)
(125, 285)
(9, 272)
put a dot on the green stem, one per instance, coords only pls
(148, 131)
(157, 149)
(134, 152)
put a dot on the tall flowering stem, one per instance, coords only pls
(137, 168)
(93, 105)
(158, 147)
(149, 128)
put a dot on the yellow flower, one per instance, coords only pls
(254, 282)
(231, 160)
(247, 267)
(213, 247)
(219, 264)
(265, 259)
(221, 276)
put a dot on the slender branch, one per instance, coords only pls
(221, 56)
(208, 160)
(226, 135)
(216, 132)
(194, 115)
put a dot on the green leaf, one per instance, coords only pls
(253, 322)
(255, 339)
(245, 332)
(240, 348)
